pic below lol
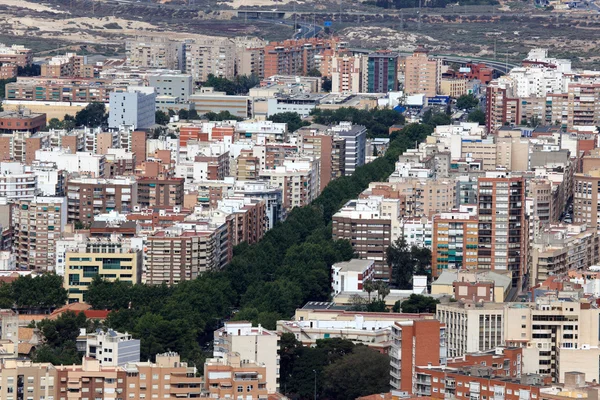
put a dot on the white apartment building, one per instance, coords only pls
(81, 162)
(253, 344)
(355, 137)
(136, 108)
(15, 183)
(112, 349)
(349, 276)
(154, 52)
(472, 327)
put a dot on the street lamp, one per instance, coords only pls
(315, 371)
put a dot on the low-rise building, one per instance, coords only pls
(112, 348)
(349, 276)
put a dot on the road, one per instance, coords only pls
(306, 30)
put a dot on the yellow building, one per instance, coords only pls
(119, 262)
(453, 87)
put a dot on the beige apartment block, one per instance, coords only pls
(254, 344)
(556, 336)
(453, 87)
(233, 377)
(586, 200)
(423, 74)
(346, 74)
(31, 380)
(214, 56)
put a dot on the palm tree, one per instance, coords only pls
(369, 287)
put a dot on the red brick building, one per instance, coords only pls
(24, 120)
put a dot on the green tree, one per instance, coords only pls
(400, 260)
(221, 116)
(6, 296)
(42, 292)
(161, 118)
(326, 84)
(477, 116)
(183, 114)
(93, 115)
(241, 84)
(60, 336)
(292, 119)
(466, 102)
(361, 373)
(418, 303)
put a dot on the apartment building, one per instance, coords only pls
(502, 231)
(214, 56)
(154, 52)
(556, 335)
(67, 65)
(472, 327)
(160, 192)
(89, 379)
(167, 378)
(478, 381)
(210, 101)
(473, 286)
(112, 348)
(502, 107)
(85, 91)
(28, 379)
(22, 120)
(37, 224)
(296, 57)
(226, 378)
(453, 87)
(415, 343)
(73, 163)
(110, 258)
(371, 225)
(558, 249)
(251, 61)
(346, 74)
(177, 254)
(424, 197)
(422, 74)
(135, 107)
(349, 276)
(299, 179)
(15, 183)
(318, 145)
(355, 138)
(381, 72)
(581, 109)
(254, 344)
(247, 217)
(271, 195)
(455, 242)
(87, 197)
(586, 200)
(15, 54)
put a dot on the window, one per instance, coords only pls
(240, 389)
(249, 388)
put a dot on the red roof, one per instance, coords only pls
(96, 314)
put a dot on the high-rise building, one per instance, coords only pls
(299, 180)
(382, 72)
(345, 74)
(297, 57)
(423, 74)
(174, 85)
(502, 235)
(135, 108)
(234, 377)
(454, 242)
(355, 137)
(155, 52)
(88, 197)
(37, 224)
(586, 200)
(253, 344)
(502, 106)
(214, 56)
(415, 343)
(160, 192)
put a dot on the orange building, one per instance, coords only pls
(454, 242)
(230, 378)
(297, 57)
(25, 120)
(187, 133)
(158, 218)
(414, 343)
